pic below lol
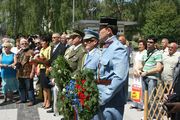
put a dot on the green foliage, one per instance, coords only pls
(62, 74)
(134, 45)
(91, 105)
(161, 19)
(158, 17)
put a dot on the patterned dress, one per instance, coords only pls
(8, 74)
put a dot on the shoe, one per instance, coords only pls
(47, 107)
(50, 111)
(42, 106)
(18, 102)
(132, 107)
(139, 109)
(30, 104)
(4, 101)
(12, 100)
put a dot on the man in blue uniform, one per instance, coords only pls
(112, 72)
(91, 58)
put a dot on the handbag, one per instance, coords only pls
(136, 91)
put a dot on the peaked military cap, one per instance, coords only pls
(108, 21)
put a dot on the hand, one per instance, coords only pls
(31, 75)
(137, 73)
(9, 65)
(50, 69)
(100, 102)
(53, 81)
(4, 65)
(37, 56)
(175, 107)
(143, 74)
(12, 66)
(165, 98)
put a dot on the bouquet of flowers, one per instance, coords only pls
(78, 96)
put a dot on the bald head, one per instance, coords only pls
(172, 48)
(122, 39)
(164, 43)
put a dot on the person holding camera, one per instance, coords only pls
(173, 103)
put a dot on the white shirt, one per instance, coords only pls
(169, 62)
(138, 58)
(76, 47)
(55, 46)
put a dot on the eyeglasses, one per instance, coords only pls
(5, 46)
(88, 41)
(151, 42)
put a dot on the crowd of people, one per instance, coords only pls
(105, 53)
(153, 66)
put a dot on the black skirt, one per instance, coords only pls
(44, 79)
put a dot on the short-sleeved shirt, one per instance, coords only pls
(152, 62)
(169, 62)
(45, 52)
(138, 58)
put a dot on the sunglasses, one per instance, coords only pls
(88, 41)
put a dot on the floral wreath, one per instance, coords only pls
(77, 97)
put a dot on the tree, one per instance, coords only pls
(161, 19)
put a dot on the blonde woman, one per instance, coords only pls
(8, 74)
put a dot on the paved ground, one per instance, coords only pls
(13, 111)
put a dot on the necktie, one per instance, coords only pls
(83, 61)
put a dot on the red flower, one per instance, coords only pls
(81, 90)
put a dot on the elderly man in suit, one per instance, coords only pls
(112, 72)
(91, 58)
(57, 49)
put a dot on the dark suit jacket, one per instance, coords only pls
(60, 50)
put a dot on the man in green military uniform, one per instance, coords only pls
(76, 55)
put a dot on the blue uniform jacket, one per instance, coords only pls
(92, 60)
(114, 65)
